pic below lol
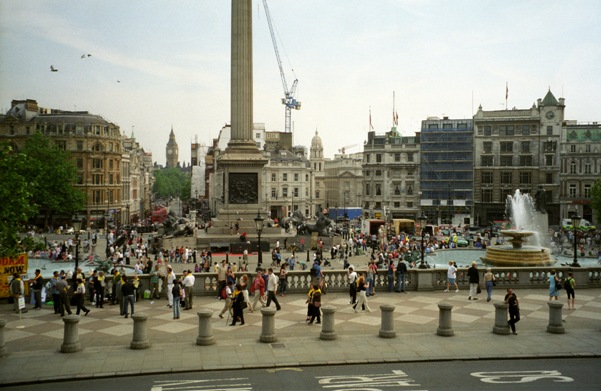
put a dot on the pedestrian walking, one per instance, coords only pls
(390, 275)
(554, 286)
(401, 273)
(514, 309)
(474, 279)
(489, 281)
(79, 296)
(228, 300)
(272, 289)
(352, 282)
(258, 289)
(452, 277)
(37, 285)
(188, 284)
(362, 297)
(283, 279)
(128, 292)
(17, 290)
(570, 285)
(309, 302)
(170, 279)
(315, 305)
(176, 292)
(238, 305)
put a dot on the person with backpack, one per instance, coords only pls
(226, 294)
(258, 289)
(401, 274)
(570, 285)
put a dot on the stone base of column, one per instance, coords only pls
(268, 326)
(327, 326)
(71, 337)
(501, 327)
(140, 339)
(445, 326)
(555, 325)
(387, 322)
(205, 332)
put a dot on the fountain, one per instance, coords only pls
(521, 210)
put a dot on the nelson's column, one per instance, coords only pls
(239, 167)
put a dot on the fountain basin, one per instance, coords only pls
(509, 256)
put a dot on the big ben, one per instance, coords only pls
(171, 151)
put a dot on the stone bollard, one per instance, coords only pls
(268, 326)
(140, 339)
(205, 331)
(3, 350)
(327, 323)
(501, 325)
(387, 323)
(445, 324)
(71, 337)
(555, 325)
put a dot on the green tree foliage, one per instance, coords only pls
(54, 176)
(596, 200)
(16, 193)
(171, 182)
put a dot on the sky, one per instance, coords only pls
(161, 64)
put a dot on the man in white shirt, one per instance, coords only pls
(272, 288)
(352, 281)
(170, 278)
(188, 283)
(452, 277)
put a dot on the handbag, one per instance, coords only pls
(479, 290)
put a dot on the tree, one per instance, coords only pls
(54, 176)
(596, 199)
(171, 182)
(16, 193)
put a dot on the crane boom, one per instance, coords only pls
(289, 101)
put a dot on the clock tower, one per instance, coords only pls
(171, 151)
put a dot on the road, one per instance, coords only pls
(530, 374)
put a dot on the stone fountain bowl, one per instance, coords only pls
(517, 254)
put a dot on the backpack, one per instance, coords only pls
(223, 293)
(313, 271)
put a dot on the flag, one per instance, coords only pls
(371, 127)
(396, 119)
(506, 90)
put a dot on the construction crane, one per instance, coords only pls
(343, 149)
(289, 100)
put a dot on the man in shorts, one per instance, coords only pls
(570, 285)
(452, 277)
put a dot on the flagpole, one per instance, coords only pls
(393, 107)
(506, 93)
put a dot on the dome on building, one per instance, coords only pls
(316, 141)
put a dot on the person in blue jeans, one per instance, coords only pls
(390, 275)
(128, 290)
(401, 273)
(177, 297)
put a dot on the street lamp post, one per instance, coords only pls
(76, 227)
(576, 223)
(259, 226)
(422, 223)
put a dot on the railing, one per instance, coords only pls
(416, 279)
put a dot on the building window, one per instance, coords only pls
(295, 177)
(550, 146)
(97, 163)
(284, 192)
(378, 173)
(257, 135)
(506, 177)
(295, 192)
(80, 145)
(506, 146)
(525, 178)
(273, 177)
(110, 164)
(317, 194)
(397, 189)
(367, 189)
(378, 189)
(587, 148)
(79, 163)
(506, 130)
(274, 193)
(409, 205)
(548, 178)
(378, 158)
(525, 130)
(525, 146)
(306, 177)
(110, 179)
(587, 168)
(572, 191)
(397, 157)
(487, 177)
(549, 160)
(549, 130)
(573, 168)
(447, 125)
(526, 160)
(587, 191)
(573, 148)
(285, 177)
(397, 204)
(432, 126)
(487, 161)
(506, 161)
(410, 190)
(506, 192)
(409, 157)
(367, 158)
(487, 146)
(409, 172)
(486, 195)
(488, 130)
